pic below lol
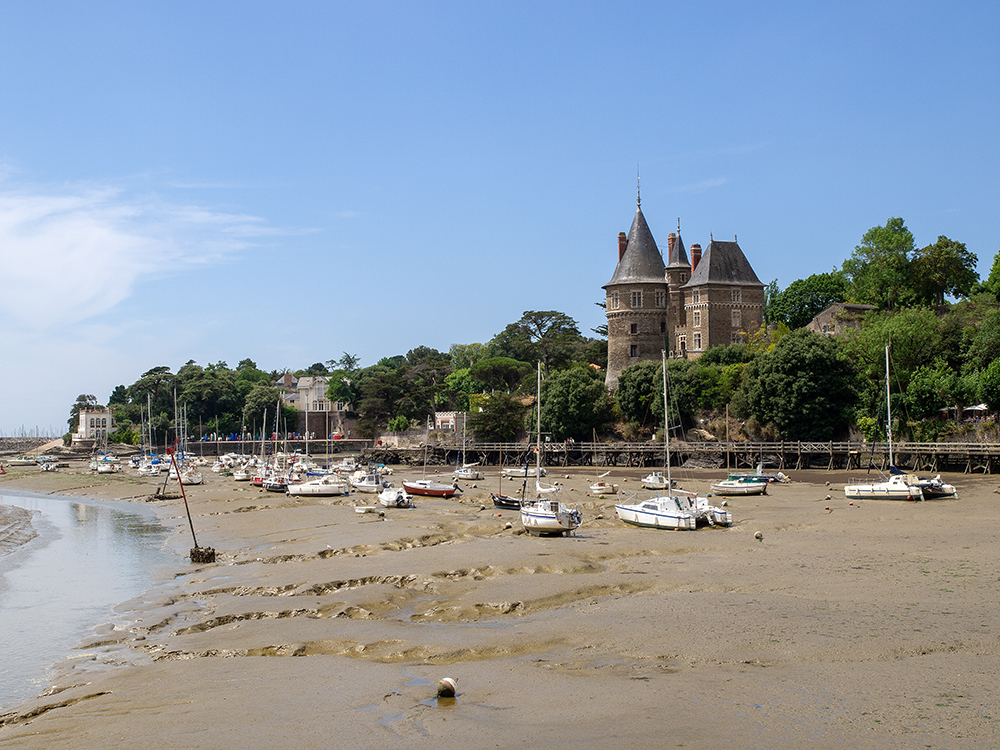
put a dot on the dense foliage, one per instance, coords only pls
(784, 383)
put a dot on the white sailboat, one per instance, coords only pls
(546, 515)
(675, 509)
(897, 486)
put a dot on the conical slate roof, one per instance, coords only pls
(678, 255)
(723, 263)
(641, 262)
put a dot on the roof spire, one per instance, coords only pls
(638, 196)
(678, 225)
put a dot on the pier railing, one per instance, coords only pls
(782, 455)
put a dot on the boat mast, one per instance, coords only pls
(888, 406)
(666, 419)
(538, 425)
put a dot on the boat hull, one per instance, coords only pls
(652, 516)
(739, 488)
(549, 517)
(430, 489)
(319, 489)
(505, 502)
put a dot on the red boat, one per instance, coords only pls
(431, 488)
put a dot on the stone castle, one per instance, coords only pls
(681, 306)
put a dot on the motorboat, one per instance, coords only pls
(21, 461)
(275, 483)
(395, 497)
(550, 517)
(324, 486)
(660, 512)
(370, 482)
(505, 502)
(468, 474)
(431, 488)
(896, 487)
(933, 488)
(737, 484)
(603, 488)
(655, 481)
(525, 471)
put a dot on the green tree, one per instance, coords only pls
(464, 356)
(262, 397)
(637, 386)
(804, 298)
(540, 335)
(989, 386)
(992, 283)
(575, 402)
(84, 402)
(803, 387)
(879, 270)
(944, 268)
(499, 419)
(931, 388)
(500, 373)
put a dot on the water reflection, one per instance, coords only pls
(87, 558)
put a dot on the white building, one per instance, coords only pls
(94, 426)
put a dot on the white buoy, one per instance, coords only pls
(447, 688)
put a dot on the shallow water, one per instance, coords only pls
(88, 557)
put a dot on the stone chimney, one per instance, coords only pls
(671, 239)
(622, 242)
(695, 256)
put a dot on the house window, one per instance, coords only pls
(682, 343)
(696, 296)
(737, 319)
(614, 300)
(697, 341)
(634, 350)
(634, 328)
(661, 299)
(697, 318)
(737, 295)
(636, 299)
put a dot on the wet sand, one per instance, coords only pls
(870, 625)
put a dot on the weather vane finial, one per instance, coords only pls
(638, 196)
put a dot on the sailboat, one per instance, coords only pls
(897, 486)
(598, 486)
(676, 509)
(468, 472)
(506, 502)
(545, 515)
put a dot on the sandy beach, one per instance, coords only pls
(864, 625)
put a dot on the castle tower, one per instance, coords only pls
(678, 272)
(723, 299)
(636, 301)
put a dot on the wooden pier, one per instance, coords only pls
(780, 456)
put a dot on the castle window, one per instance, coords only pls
(634, 350)
(696, 296)
(697, 341)
(697, 318)
(737, 295)
(682, 343)
(663, 326)
(736, 338)
(634, 328)
(661, 299)
(673, 309)
(636, 299)
(684, 278)
(614, 301)
(737, 319)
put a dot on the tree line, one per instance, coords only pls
(785, 383)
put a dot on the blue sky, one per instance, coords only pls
(287, 182)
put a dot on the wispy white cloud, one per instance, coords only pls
(701, 185)
(74, 252)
